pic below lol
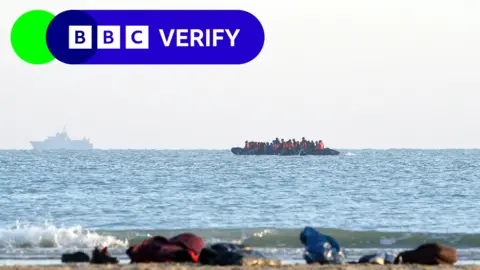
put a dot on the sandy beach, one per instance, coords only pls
(190, 266)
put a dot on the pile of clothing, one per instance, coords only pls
(188, 247)
(324, 249)
(319, 249)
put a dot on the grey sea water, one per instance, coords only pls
(369, 200)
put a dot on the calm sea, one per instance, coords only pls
(369, 200)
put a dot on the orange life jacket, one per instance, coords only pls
(248, 145)
(322, 146)
(195, 257)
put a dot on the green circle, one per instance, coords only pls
(29, 37)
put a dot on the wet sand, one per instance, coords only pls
(185, 267)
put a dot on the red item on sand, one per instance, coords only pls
(161, 249)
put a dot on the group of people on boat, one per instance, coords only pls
(277, 146)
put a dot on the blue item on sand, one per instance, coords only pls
(320, 248)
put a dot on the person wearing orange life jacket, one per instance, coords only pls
(304, 143)
(290, 145)
(321, 145)
(283, 144)
(295, 144)
(247, 145)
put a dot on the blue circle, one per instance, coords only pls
(58, 37)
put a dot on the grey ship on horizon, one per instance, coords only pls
(61, 141)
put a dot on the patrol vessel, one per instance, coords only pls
(61, 141)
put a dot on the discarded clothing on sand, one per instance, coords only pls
(234, 254)
(320, 248)
(75, 257)
(378, 258)
(185, 247)
(99, 256)
(428, 254)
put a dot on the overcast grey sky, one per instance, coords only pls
(354, 73)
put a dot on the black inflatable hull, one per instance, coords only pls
(303, 152)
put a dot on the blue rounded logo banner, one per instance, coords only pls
(157, 37)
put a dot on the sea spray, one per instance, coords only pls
(52, 236)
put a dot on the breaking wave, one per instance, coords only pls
(76, 237)
(51, 236)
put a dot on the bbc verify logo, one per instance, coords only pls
(139, 37)
(108, 37)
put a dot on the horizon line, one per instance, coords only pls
(227, 149)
